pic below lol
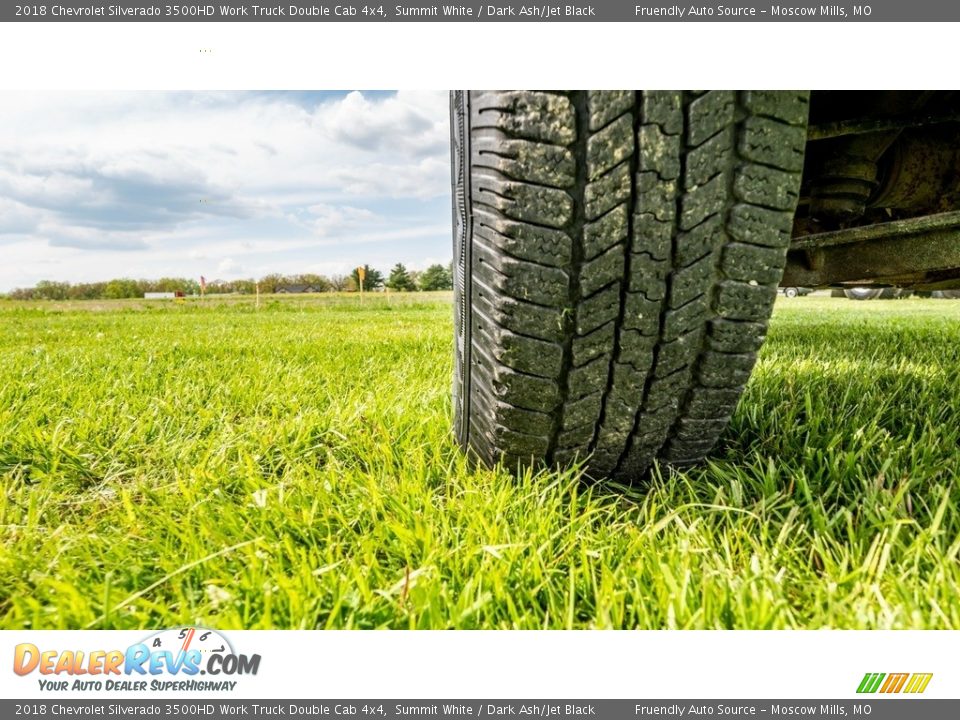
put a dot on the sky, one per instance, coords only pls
(227, 185)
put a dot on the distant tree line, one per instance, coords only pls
(435, 277)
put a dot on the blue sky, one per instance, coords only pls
(227, 185)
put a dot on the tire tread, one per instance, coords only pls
(626, 250)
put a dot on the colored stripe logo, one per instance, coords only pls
(894, 683)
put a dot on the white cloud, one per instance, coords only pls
(187, 179)
(17, 217)
(229, 266)
(327, 219)
(406, 123)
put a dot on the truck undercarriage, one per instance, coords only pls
(880, 196)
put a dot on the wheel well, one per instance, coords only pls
(880, 195)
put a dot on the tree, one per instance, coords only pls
(169, 284)
(246, 286)
(51, 290)
(122, 288)
(339, 283)
(269, 283)
(371, 281)
(436, 277)
(319, 282)
(22, 294)
(400, 279)
(87, 291)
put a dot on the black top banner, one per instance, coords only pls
(210, 708)
(469, 11)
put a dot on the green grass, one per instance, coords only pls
(293, 468)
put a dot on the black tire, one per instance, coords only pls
(790, 292)
(618, 256)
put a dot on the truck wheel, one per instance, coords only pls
(790, 292)
(618, 254)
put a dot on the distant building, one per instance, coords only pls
(162, 295)
(289, 289)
